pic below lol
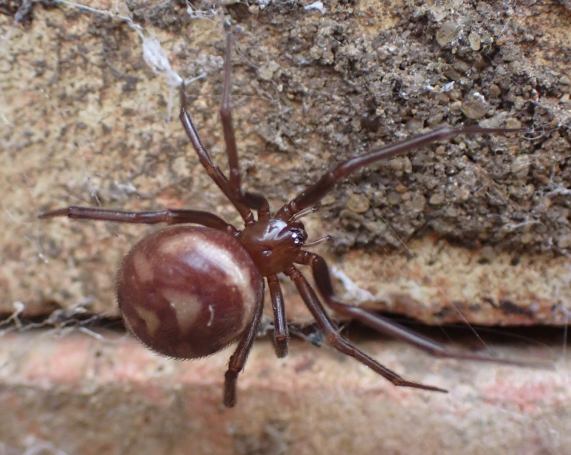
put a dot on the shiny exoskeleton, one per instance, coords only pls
(189, 290)
(274, 245)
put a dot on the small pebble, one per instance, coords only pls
(474, 106)
(495, 91)
(447, 33)
(436, 199)
(456, 106)
(513, 123)
(564, 241)
(452, 212)
(328, 200)
(266, 72)
(461, 66)
(520, 166)
(358, 203)
(400, 188)
(474, 40)
(461, 193)
(417, 202)
(393, 198)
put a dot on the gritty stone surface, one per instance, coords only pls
(517, 290)
(85, 120)
(75, 394)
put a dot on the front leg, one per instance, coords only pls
(315, 192)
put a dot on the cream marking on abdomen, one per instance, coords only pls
(234, 272)
(186, 307)
(143, 268)
(225, 261)
(211, 318)
(151, 320)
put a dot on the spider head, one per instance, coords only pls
(273, 244)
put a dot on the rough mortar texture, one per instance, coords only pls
(75, 394)
(84, 120)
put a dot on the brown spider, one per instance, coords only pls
(188, 291)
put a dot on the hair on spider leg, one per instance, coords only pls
(308, 211)
(319, 241)
(161, 281)
(313, 335)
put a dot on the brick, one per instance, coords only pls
(77, 394)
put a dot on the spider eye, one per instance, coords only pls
(299, 236)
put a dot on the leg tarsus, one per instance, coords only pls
(341, 344)
(240, 355)
(226, 118)
(281, 333)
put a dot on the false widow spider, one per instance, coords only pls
(191, 289)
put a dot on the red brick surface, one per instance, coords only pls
(78, 395)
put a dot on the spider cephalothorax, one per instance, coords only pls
(273, 244)
(189, 290)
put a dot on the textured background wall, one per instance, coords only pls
(85, 120)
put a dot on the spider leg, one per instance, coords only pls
(386, 326)
(226, 119)
(281, 333)
(206, 160)
(259, 203)
(168, 216)
(238, 359)
(341, 344)
(230, 187)
(252, 200)
(312, 194)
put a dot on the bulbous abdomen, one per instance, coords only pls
(188, 291)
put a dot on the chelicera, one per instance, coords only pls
(191, 289)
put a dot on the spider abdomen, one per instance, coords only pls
(188, 291)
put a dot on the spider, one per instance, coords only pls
(190, 289)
